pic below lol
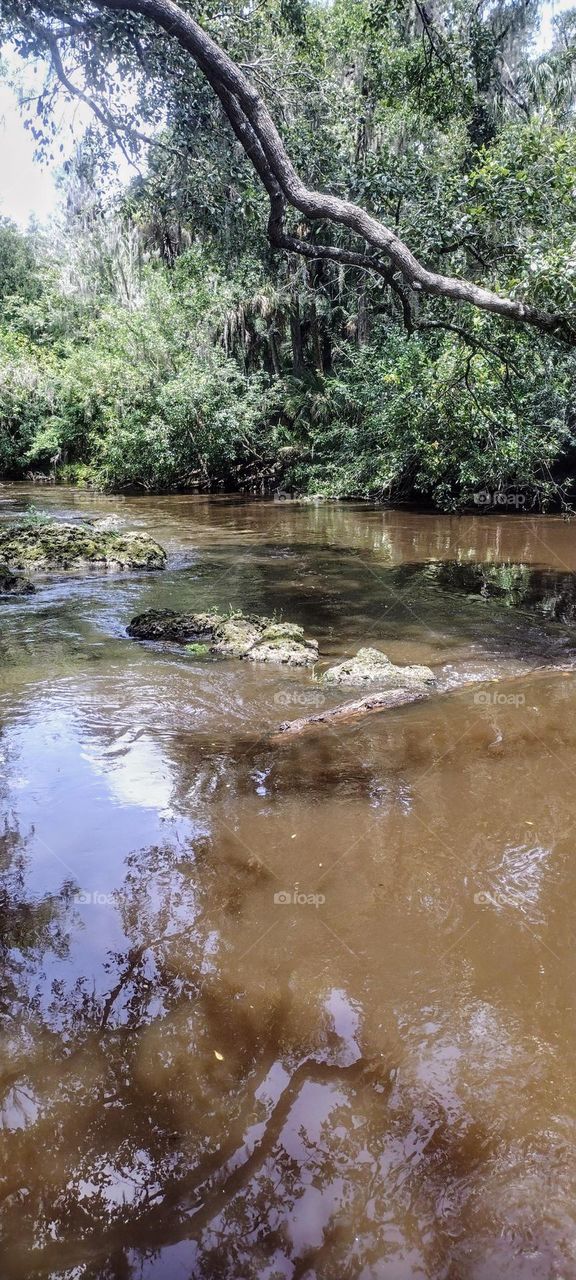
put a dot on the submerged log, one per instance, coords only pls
(383, 701)
(389, 699)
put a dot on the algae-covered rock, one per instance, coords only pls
(178, 628)
(284, 642)
(372, 667)
(231, 636)
(12, 584)
(45, 545)
(235, 636)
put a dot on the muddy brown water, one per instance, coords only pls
(300, 1012)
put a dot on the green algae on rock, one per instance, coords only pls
(372, 667)
(13, 584)
(47, 545)
(286, 643)
(232, 636)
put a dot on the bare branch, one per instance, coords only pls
(75, 91)
(105, 117)
(470, 339)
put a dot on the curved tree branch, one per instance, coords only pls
(51, 41)
(276, 233)
(471, 340)
(258, 135)
(276, 170)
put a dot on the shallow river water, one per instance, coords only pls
(300, 1011)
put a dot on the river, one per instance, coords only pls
(299, 1011)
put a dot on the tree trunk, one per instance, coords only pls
(363, 319)
(296, 338)
(274, 353)
(315, 338)
(388, 700)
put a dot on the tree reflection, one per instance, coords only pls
(549, 593)
(154, 1113)
(203, 1103)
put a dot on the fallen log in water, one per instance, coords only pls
(383, 701)
(388, 700)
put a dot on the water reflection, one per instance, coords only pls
(287, 1012)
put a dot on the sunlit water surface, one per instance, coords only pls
(304, 1010)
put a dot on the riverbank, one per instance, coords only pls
(278, 483)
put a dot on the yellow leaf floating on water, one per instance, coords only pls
(219, 1056)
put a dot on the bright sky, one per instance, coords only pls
(27, 188)
(550, 11)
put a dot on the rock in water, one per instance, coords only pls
(48, 545)
(12, 584)
(235, 636)
(178, 628)
(372, 667)
(286, 643)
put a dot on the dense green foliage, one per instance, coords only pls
(157, 341)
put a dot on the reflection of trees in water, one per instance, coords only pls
(142, 1137)
(126, 1088)
(137, 1131)
(281, 1154)
(30, 927)
(307, 582)
(27, 927)
(550, 593)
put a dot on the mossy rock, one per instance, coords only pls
(230, 636)
(285, 643)
(48, 545)
(371, 667)
(177, 628)
(234, 637)
(283, 631)
(12, 584)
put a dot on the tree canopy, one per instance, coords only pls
(104, 38)
(403, 158)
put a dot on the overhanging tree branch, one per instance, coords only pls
(274, 161)
(263, 145)
(278, 236)
(50, 39)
